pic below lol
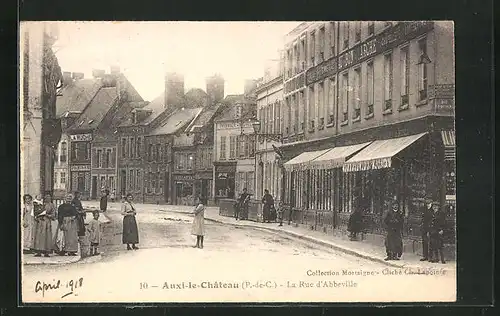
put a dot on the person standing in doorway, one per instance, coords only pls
(198, 227)
(437, 226)
(268, 205)
(130, 230)
(394, 241)
(104, 200)
(425, 227)
(68, 224)
(80, 219)
(28, 223)
(43, 242)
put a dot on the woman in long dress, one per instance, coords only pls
(28, 223)
(130, 231)
(68, 224)
(393, 241)
(198, 228)
(44, 240)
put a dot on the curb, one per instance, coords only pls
(75, 260)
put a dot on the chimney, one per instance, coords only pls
(215, 88)
(250, 84)
(67, 78)
(114, 69)
(174, 89)
(119, 80)
(98, 73)
(78, 75)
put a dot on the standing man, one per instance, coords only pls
(437, 226)
(394, 239)
(268, 205)
(104, 201)
(242, 205)
(80, 219)
(425, 227)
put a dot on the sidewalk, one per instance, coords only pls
(362, 249)
(30, 259)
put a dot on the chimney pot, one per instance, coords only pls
(98, 73)
(115, 69)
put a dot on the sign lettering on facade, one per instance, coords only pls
(295, 83)
(81, 138)
(232, 125)
(225, 169)
(183, 177)
(390, 38)
(442, 91)
(80, 168)
(204, 175)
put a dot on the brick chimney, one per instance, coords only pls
(174, 89)
(215, 88)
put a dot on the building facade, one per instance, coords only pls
(40, 77)
(371, 121)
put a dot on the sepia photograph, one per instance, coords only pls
(237, 162)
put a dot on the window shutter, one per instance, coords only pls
(94, 158)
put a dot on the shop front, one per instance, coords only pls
(81, 180)
(183, 189)
(203, 184)
(225, 174)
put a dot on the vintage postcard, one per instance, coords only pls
(196, 162)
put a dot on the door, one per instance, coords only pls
(178, 192)
(166, 187)
(123, 182)
(93, 196)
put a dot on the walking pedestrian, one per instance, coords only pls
(104, 201)
(130, 230)
(355, 223)
(268, 205)
(198, 227)
(94, 233)
(113, 195)
(425, 227)
(80, 219)
(68, 225)
(437, 226)
(394, 241)
(43, 242)
(28, 224)
(242, 209)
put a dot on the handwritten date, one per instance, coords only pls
(70, 286)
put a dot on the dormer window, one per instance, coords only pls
(134, 118)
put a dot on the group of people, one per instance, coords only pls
(269, 211)
(432, 228)
(48, 230)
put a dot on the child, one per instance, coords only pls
(95, 234)
(281, 210)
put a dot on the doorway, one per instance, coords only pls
(166, 187)
(123, 182)
(93, 195)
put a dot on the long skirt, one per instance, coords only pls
(130, 231)
(266, 213)
(394, 243)
(436, 241)
(198, 227)
(28, 233)
(43, 240)
(70, 225)
(80, 221)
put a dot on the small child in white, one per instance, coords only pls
(94, 234)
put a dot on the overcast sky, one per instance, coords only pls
(145, 50)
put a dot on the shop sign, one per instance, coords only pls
(444, 104)
(204, 175)
(183, 177)
(80, 168)
(323, 70)
(295, 83)
(389, 39)
(81, 138)
(227, 169)
(222, 175)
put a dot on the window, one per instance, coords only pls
(297, 59)
(250, 176)
(87, 150)
(295, 102)
(132, 148)
(345, 97)
(160, 182)
(322, 39)
(232, 147)
(190, 161)
(63, 178)
(345, 35)
(321, 108)
(312, 107)
(111, 183)
(112, 160)
(103, 182)
(123, 149)
(222, 154)
(98, 163)
(332, 100)
(153, 182)
(405, 75)
(356, 114)
(371, 29)
(332, 38)
(289, 62)
(422, 70)
(159, 154)
(150, 152)
(279, 116)
(139, 147)
(302, 54)
(388, 82)
(241, 146)
(252, 145)
(107, 161)
(64, 152)
(301, 111)
(357, 31)
(312, 49)
(369, 88)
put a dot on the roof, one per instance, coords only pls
(157, 106)
(97, 109)
(205, 116)
(75, 96)
(196, 97)
(179, 119)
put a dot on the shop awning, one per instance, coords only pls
(335, 157)
(298, 163)
(378, 155)
(449, 144)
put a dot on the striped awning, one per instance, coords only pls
(449, 144)
(334, 157)
(298, 163)
(378, 155)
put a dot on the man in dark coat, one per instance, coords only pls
(394, 241)
(104, 201)
(437, 226)
(268, 206)
(80, 219)
(242, 207)
(354, 225)
(426, 212)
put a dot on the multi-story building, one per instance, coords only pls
(93, 138)
(371, 121)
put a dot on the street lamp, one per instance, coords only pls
(268, 136)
